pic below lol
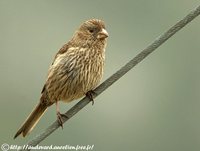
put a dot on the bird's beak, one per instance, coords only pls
(102, 34)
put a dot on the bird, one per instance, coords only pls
(76, 71)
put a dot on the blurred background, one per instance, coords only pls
(154, 107)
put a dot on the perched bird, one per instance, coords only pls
(76, 70)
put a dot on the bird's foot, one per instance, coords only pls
(90, 94)
(59, 118)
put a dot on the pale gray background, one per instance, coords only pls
(155, 107)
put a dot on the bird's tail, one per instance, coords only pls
(32, 120)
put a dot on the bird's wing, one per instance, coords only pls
(62, 50)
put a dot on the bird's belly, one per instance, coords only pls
(82, 82)
(73, 77)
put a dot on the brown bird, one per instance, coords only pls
(76, 70)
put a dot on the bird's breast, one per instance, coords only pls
(91, 69)
(79, 71)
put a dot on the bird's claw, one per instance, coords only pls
(59, 118)
(90, 94)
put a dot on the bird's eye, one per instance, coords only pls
(91, 30)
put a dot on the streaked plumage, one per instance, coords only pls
(77, 68)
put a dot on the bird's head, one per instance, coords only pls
(91, 32)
